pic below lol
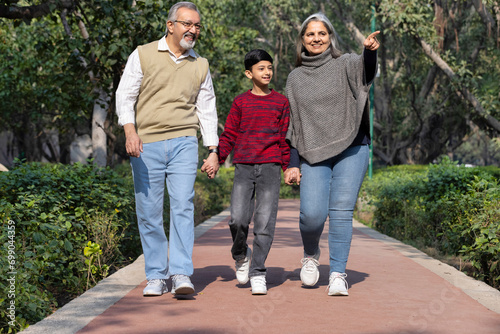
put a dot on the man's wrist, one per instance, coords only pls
(213, 150)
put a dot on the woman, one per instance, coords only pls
(329, 136)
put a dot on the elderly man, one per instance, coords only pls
(165, 95)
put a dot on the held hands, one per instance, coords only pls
(210, 165)
(292, 175)
(371, 43)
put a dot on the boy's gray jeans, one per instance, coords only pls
(255, 186)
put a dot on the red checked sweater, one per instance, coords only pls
(256, 128)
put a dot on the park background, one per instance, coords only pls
(435, 110)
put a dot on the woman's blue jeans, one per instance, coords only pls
(173, 162)
(330, 189)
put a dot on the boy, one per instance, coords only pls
(255, 128)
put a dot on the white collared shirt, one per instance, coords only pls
(130, 84)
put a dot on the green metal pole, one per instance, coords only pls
(370, 164)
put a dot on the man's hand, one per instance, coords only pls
(292, 175)
(211, 165)
(133, 143)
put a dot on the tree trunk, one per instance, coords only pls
(99, 147)
(101, 104)
(487, 18)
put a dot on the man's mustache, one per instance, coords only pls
(190, 34)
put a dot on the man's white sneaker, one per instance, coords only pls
(155, 287)
(181, 285)
(258, 285)
(309, 274)
(242, 268)
(338, 285)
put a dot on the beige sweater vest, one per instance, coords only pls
(166, 103)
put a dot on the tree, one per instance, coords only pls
(436, 79)
(438, 64)
(97, 54)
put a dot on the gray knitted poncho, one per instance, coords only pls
(327, 98)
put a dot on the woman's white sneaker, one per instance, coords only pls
(309, 274)
(337, 284)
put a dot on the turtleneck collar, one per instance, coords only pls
(317, 60)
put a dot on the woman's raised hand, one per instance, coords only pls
(371, 42)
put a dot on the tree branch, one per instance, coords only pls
(463, 91)
(487, 18)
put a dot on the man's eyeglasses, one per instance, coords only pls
(189, 25)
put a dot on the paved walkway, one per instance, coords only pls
(394, 288)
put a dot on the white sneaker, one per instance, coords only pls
(155, 287)
(242, 268)
(258, 285)
(181, 285)
(309, 274)
(338, 285)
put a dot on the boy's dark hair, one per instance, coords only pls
(255, 56)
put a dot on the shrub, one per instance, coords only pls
(479, 227)
(450, 208)
(55, 210)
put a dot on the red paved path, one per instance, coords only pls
(389, 293)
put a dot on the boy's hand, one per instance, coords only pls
(292, 175)
(210, 165)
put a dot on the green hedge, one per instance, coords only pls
(65, 227)
(49, 213)
(450, 208)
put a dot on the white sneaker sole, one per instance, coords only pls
(259, 292)
(152, 294)
(183, 290)
(338, 293)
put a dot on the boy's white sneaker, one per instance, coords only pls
(259, 286)
(155, 287)
(181, 285)
(243, 267)
(338, 285)
(309, 274)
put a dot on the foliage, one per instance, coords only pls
(419, 112)
(36, 91)
(56, 211)
(451, 208)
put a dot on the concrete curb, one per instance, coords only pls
(479, 291)
(80, 311)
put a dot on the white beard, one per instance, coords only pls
(187, 45)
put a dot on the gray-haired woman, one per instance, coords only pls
(329, 136)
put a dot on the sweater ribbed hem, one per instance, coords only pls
(152, 138)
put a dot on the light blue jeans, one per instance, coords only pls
(175, 162)
(330, 189)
